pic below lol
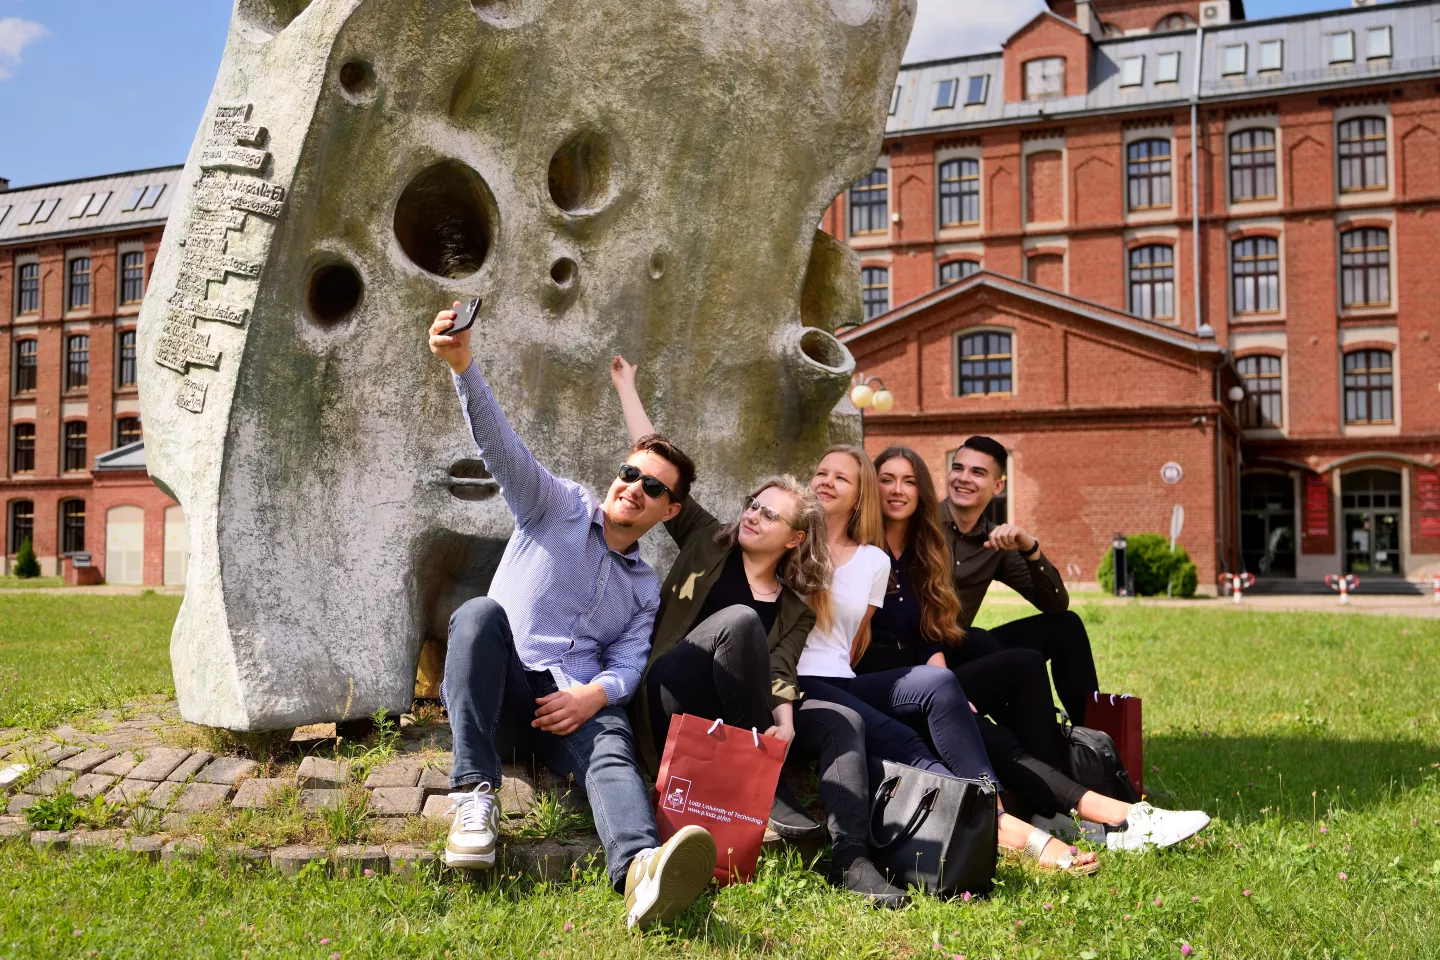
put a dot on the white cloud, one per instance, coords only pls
(954, 28)
(15, 36)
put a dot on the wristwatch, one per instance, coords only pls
(1027, 554)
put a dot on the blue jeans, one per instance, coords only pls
(491, 699)
(888, 699)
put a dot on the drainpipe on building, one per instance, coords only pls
(1201, 327)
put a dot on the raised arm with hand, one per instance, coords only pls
(637, 421)
(528, 488)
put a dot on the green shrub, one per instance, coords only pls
(53, 813)
(1153, 567)
(26, 566)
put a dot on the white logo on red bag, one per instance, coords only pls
(677, 794)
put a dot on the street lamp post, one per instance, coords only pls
(871, 394)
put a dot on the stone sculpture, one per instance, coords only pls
(636, 176)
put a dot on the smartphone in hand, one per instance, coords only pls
(465, 317)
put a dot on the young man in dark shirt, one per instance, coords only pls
(983, 552)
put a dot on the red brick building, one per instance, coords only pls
(1080, 244)
(74, 261)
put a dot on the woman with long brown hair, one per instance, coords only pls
(1010, 689)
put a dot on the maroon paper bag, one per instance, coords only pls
(1119, 716)
(721, 778)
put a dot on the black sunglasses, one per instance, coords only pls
(654, 489)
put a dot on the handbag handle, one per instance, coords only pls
(754, 731)
(922, 810)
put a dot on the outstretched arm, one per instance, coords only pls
(637, 421)
(529, 489)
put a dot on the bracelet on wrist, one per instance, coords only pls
(1034, 549)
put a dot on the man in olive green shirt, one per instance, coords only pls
(984, 551)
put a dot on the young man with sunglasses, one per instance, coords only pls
(547, 660)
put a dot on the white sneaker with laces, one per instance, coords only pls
(1147, 826)
(662, 881)
(474, 830)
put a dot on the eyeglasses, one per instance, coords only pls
(654, 489)
(767, 516)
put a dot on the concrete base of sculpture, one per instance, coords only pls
(633, 176)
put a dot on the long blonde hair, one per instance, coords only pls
(867, 522)
(806, 569)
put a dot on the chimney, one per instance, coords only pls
(4, 184)
(1087, 19)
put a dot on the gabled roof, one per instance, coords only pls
(1010, 286)
(129, 457)
(1041, 15)
(88, 206)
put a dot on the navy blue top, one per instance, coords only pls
(896, 639)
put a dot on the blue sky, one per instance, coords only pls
(90, 87)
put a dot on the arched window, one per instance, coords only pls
(1365, 267)
(75, 445)
(959, 192)
(27, 365)
(1264, 391)
(77, 362)
(29, 288)
(1252, 165)
(985, 363)
(875, 291)
(956, 270)
(72, 526)
(22, 524)
(1362, 154)
(870, 203)
(1255, 274)
(1175, 21)
(1148, 174)
(78, 294)
(1152, 281)
(132, 277)
(127, 430)
(1369, 387)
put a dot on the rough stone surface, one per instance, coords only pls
(88, 760)
(438, 807)
(547, 859)
(396, 801)
(128, 792)
(159, 763)
(633, 176)
(249, 857)
(19, 803)
(317, 773)
(318, 799)
(147, 847)
(98, 840)
(163, 795)
(434, 780)
(50, 840)
(517, 796)
(118, 766)
(290, 860)
(258, 792)
(181, 850)
(395, 774)
(49, 782)
(227, 770)
(202, 796)
(13, 829)
(89, 785)
(353, 861)
(411, 860)
(59, 752)
(191, 766)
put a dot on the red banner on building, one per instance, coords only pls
(1427, 490)
(1317, 507)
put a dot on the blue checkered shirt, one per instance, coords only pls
(577, 608)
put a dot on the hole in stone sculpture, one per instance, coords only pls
(580, 173)
(563, 272)
(357, 78)
(270, 16)
(822, 348)
(334, 293)
(471, 480)
(657, 265)
(444, 220)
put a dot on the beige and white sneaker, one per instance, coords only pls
(1146, 826)
(474, 830)
(663, 880)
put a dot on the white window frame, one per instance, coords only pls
(1278, 46)
(1371, 53)
(1227, 67)
(1161, 74)
(984, 79)
(1332, 38)
(941, 101)
(1132, 71)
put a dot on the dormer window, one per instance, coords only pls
(1045, 78)
(975, 89)
(1341, 46)
(1167, 67)
(945, 94)
(1232, 60)
(1377, 43)
(1132, 71)
(1272, 55)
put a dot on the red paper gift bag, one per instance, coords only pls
(721, 778)
(1119, 716)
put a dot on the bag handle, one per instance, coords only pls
(882, 797)
(754, 731)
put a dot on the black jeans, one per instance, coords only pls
(833, 735)
(720, 671)
(886, 699)
(1058, 637)
(491, 699)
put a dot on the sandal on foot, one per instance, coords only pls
(1034, 850)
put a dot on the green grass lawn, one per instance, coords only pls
(63, 655)
(1313, 739)
(30, 583)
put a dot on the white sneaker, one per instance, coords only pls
(474, 830)
(662, 881)
(1146, 826)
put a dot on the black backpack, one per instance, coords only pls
(1095, 762)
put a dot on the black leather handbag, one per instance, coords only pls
(1095, 761)
(934, 832)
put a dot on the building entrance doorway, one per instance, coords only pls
(1267, 524)
(1371, 502)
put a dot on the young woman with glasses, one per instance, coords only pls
(735, 610)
